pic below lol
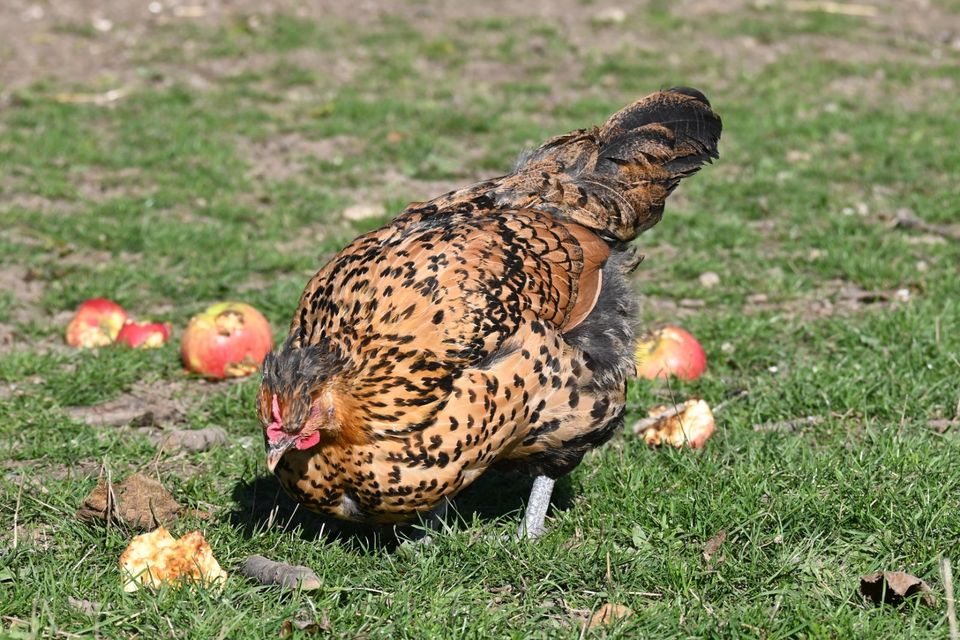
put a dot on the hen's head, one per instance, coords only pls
(295, 402)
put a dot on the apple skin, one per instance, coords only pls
(670, 351)
(144, 335)
(95, 323)
(229, 339)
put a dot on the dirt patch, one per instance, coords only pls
(22, 284)
(33, 470)
(87, 42)
(286, 156)
(835, 297)
(38, 204)
(154, 404)
(25, 291)
(873, 91)
(98, 185)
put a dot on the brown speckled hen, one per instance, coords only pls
(490, 327)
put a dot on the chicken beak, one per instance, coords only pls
(275, 451)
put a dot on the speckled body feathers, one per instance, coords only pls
(489, 327)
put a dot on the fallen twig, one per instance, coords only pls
(16, 512)
(946, 574)
(843, 9)
(906, 219)
(788, 425)
(266, 571)
(99, 99)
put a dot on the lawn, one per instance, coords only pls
(175, 156)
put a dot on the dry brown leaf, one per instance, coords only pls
(138, 502)
(87, 607)
(608, 614)
(309, 627)
(690, 423)
(787, 426)
(713, 545)
(157, 558)
(893, 587)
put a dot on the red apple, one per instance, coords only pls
(144, 335)
(229, 339)
(95, 323)
(670, 351)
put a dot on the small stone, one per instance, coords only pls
(610, 15)
(102, 24)
(364, 211)
(709, 279)
(33, 12)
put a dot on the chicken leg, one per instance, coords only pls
(531, 527)
(430, 523)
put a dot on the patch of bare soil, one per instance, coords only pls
(835, 297)
(26, 291)
(155, 404)
(285, 156)
(91, 42)
(32, 470)
(157, 409)
(37, 203)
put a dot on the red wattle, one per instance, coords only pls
(311, 440)
(275, 432)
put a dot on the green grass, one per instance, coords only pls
(154, 202)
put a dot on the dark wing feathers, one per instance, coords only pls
(613, 179)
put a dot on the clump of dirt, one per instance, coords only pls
(138, 502)
(191, 440)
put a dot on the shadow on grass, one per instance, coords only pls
(262, 504)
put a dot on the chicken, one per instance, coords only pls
(489, 327)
